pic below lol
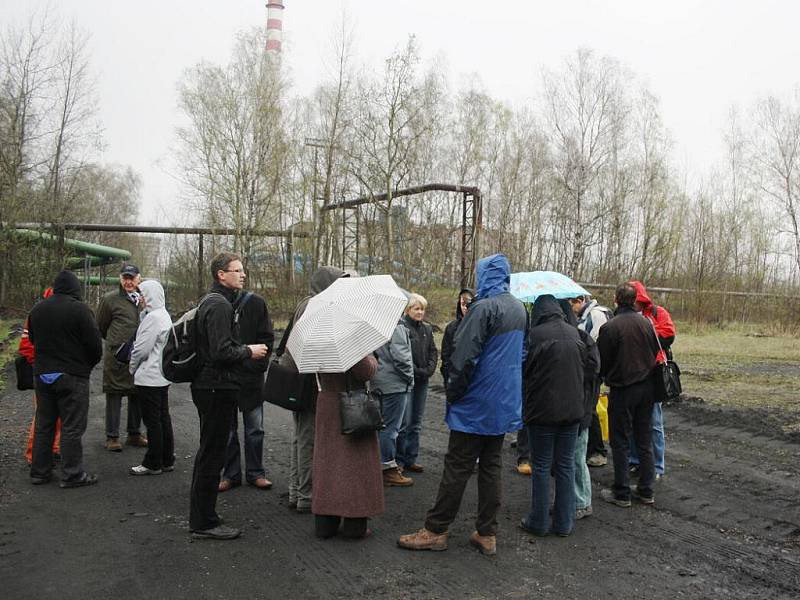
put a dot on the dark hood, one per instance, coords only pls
(569, 314)
(494, 276)
(641, 294)
(67, 283)
(546, 308)
(324, 277)
(466, 290)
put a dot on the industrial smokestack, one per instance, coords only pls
(274, 27)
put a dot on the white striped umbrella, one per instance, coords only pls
(344, 323)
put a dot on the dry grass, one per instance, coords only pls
(8, 346)
(740, 366)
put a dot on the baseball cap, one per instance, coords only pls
(129, 270)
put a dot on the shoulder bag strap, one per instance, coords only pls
(285, 338)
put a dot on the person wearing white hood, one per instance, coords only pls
(151, 385)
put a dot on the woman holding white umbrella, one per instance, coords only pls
(335, 338)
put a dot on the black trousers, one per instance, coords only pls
(67, 397)
(154, 402)
(523, 446)
(630, 410)
(596, 445)
(216, 409)
(459, 463)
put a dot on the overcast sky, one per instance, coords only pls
(698, 56)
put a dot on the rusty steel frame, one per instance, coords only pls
(471, 224)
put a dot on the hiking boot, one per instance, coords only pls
(424, 540)
(597, 460)
(395, 477)
(415, 468)
(582, 513)
(487, 544)
(113, 445)
(608, 496)
(524, 468)
(642, 498)
(137, 440)
(87, 479)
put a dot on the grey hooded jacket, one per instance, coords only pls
(151, 337)
(395, 373)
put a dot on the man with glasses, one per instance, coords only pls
(215, 392)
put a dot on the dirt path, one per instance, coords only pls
(726, 525)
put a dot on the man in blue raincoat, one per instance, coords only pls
(484, 400)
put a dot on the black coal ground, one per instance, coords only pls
(726, 524)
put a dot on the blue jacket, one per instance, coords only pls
(484, 393)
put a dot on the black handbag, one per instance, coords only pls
(284, 386)
(24, 373)
(361, 411)
(666, 377)
(668, 381)
(288, 389)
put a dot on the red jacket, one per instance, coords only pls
(659, 317)
(26, 349)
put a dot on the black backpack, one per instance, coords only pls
(180, 361)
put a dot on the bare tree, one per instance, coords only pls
(585, 108)
(233, 151)
(393, 121)
(777, 155)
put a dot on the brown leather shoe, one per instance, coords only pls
(424, 539)
(113, 445)
(487, 544)
(261, 483)
(415, 468)
(227, 484)
(137, 440)
(394, 477)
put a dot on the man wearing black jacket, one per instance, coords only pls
(553, 407)
(628, 349)
(68, 345)
(215, 392)
(254, 327)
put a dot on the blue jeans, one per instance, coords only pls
(659, 442)
(253, 447)
(394, 408)
(552, 449)
(408, 439)
(583, 482)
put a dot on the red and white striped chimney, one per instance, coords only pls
(274, 26)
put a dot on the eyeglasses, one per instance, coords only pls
(233, 270)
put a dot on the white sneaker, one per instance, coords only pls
(142, 470)
(597, 460)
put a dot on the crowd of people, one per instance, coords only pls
(534, 373)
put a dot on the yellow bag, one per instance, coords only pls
(602, 414)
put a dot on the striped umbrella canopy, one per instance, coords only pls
(529, 286)
(351, 318)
